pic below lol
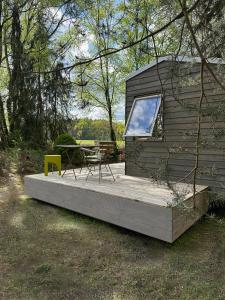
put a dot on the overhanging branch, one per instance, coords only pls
(152, 34)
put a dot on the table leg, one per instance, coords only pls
(70, 162)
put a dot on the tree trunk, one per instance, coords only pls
(40, 112)
(15, 80)
(1, 32)
(112, 131)
(18, 94)
(3, 126)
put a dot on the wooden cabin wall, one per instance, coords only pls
(174, 157)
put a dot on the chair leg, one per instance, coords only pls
(111, 172)
(100, 172)
(88, 174)
(89, 169)
(105, 165)
(59, 168)
(64, 172)
(46, 168)
(74, 174)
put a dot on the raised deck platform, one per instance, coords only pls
(131, 202)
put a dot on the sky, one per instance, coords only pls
(98, 113)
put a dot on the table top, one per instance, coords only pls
(77, 146)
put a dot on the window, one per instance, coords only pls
(145, 117)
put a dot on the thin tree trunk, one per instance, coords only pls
(1, 31)
(15, 84)
(3, 125)
(8, 101)
(40, 116)
(112, 131)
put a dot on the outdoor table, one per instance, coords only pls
(71, 157)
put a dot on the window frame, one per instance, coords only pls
(131, 112)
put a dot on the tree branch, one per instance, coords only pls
(85, 61)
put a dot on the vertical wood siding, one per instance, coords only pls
(174, 157)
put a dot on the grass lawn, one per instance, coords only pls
(50, 253)
(120, 144)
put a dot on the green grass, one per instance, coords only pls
(120, 144)
(50, 253)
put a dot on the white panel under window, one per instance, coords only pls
(143, 116)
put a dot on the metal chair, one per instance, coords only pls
(96, 157)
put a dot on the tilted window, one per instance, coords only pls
(145, 117)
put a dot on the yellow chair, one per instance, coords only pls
(52, 159)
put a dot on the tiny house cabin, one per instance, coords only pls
(175, 113)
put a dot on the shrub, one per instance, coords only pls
(66, 139)
(4, 166)
(30, 161)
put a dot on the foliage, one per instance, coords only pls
(64, 139)
(4, 164)
(67, 139)
(88, 129)
(34, 104)
(30, 161)
(21, 161)
(101, 81)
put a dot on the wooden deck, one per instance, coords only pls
(131, 202)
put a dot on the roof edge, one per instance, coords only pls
(179, 58)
